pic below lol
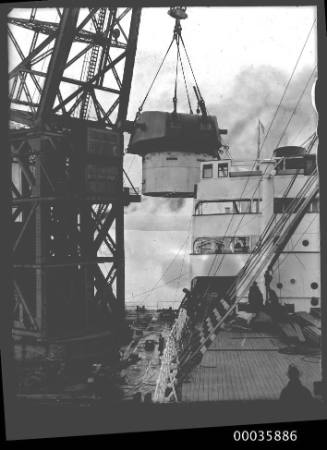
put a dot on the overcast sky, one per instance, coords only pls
(242, 58)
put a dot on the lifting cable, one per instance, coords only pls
(155, 77)
(185, 83)
(176, 37)
(196, 88)
(201, 104)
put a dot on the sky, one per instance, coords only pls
(242, 58)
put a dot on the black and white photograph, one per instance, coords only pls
(165, 229)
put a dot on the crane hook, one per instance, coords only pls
(178, 12)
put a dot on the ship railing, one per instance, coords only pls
(166, 383)
(270, 245)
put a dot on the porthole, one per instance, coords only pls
(314, 285)
(292, 280)
(279, 285)
(314, 301)
(305, 243)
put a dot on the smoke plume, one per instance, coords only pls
(255, 95)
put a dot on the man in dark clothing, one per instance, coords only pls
(186, 300)
(161, 345)
(275, 309)
(273, 298)
(189, 303)
(268, 280)
(255, 297)
(295, 392)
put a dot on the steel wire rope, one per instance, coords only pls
(292, 207)
(149, 90)
(180, 272)
(190, 66)
(140, 294)
(155, 77)
(270, 126)
(176, 75)
(292, 115)
(294, 245)
(295, 108)
(287, 85)
(167, 268)
(188, 358)
(173, 259)
(274, 117)
(281, 223)
(185, 83)
(291, 183)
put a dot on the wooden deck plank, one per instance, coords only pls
(245, 372)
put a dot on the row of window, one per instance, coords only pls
(308, 164)
(216, 245)
(207, 170)
(253, 206)
(283, 204)
(228, 207)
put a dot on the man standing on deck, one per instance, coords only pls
(295, 392)
(268, 280)
(161, 345)
(255, 297)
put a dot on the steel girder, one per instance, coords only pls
(68, 248)
(50, 63)
(73, 72)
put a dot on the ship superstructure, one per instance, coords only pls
(235, 201)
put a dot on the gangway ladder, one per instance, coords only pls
(270, 245)
(168, 370)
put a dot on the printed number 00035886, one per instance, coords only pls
(265, 435)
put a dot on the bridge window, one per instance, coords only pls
(313, 206)
(222, 170)
(242, 206)
(207, 171)
(228, 207)
(282, 205)
(217, 245)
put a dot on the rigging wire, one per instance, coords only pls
(180, 272)
(264, 140)
(287, 85)
(281, 223)
(155, 77)
(190, 65)
(168, 266)
(296, 106)
(185, 83)
(141, 294)
(237, 227)
(176, 75)
(294, 245)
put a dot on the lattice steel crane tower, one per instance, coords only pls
(70, 73)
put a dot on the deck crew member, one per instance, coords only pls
(295, 392)
(255, 297)
(161, 345)
(268, 280)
